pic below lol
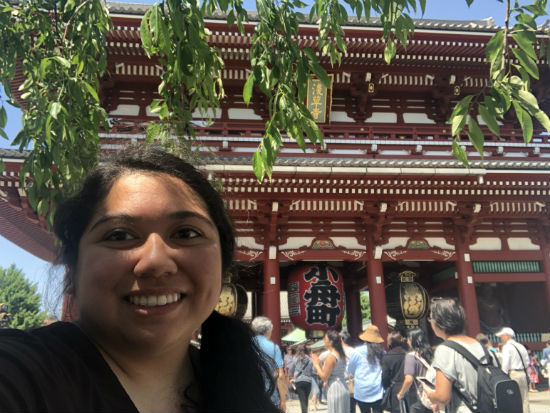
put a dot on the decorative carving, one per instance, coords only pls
(356, 254)
(395, 254)
(322, 244)
(290, 254)
(253, 254)
(444, 253)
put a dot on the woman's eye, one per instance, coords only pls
(119, 235)
(186, 233)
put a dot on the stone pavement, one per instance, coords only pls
(539, 402)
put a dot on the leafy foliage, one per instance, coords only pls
(512, 66)
(59, 48)
(365, 309)
(21, 298)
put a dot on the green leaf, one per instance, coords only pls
(258, 166)
(494, 46)
(248, 88)
(458, 122)
(525, 121)
(489, 119)
(476, 135)
(153, 131)
(528, 101)
(528, 63)
(320, 73)
(3, 117)
(55, 108)
(460, 153)
(389, 51)
(91, 90)
(463, 106)
(543, 119)
(146, 33)
(64, 62)
(524, 42)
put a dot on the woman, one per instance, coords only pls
(533, 371)
(302, 369)
(366, 367)
(392, 369)
(145, 243)
(452, 369)
(416, 365)
(332, 373)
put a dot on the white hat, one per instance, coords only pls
(506, 330)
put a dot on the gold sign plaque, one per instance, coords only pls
(317, 97)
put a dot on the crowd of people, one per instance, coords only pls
(411, 375)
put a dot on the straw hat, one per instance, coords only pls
(371, 334)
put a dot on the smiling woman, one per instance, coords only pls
(145, 243)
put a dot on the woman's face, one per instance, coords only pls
(149, 266)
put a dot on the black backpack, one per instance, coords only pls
(496, 392)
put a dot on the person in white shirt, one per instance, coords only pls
(514, 363)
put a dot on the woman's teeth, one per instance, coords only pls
(153, 300)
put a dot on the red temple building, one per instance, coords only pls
(385, 195)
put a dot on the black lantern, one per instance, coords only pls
(233, 301)
(407, 300)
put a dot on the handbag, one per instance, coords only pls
(292, 386)
(386, 400)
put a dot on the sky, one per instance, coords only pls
(38, 271)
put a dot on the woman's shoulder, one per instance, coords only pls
(39, 339)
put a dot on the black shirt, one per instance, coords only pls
(57, 368)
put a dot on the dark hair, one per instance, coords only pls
(396, 339)
(301, 349)
(227, 344)
(336, 341)
(73, 216)
(420, 344)
(482, 339)
(346, 336)
(375, 352)
(448, 315)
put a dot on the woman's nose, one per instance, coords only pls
(155, 258)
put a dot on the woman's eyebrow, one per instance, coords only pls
(174, 215)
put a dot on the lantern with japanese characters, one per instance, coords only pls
(233, 300)
(407, 300)
(315, 298)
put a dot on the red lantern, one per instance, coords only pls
(315, 297)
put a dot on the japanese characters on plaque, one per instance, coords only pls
(315, 297)
(316, 100)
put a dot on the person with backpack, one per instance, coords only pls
(466, 378)
(515, 360)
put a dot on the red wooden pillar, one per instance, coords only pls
(353, 310)
(272, 293)
(377, 292)
(466, 285)
(545, 249)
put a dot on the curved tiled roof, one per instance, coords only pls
(6, 154)
(480, 25)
